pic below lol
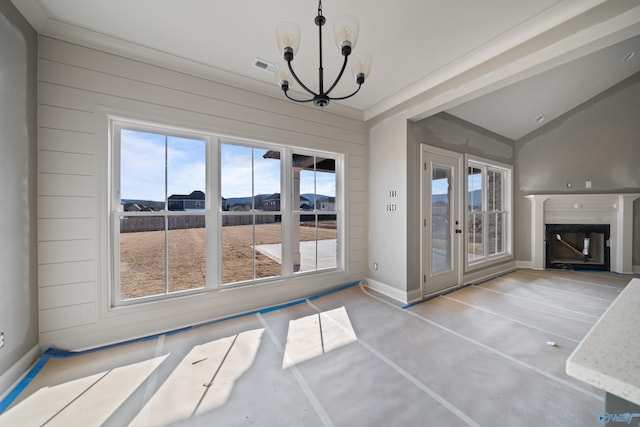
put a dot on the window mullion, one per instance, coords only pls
(286, 211)
(166, 218)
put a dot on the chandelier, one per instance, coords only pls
(346, 35)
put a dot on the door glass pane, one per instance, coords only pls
(440, 214)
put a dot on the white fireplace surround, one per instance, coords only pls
(613, 209)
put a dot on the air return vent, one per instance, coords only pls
(264, 65)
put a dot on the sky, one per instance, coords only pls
(142, 169)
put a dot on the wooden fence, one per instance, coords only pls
(133, 224)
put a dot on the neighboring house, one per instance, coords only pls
(187, 202)
(328, 204)
(272, 203)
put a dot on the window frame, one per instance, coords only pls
(338, 202)
(507, 203)
(116, 211)
(213, 209)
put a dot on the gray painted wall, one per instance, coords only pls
(598, 141)
(18, 268)
(451, 133)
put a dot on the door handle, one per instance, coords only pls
(458, 231)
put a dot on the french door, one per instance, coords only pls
(441, 220)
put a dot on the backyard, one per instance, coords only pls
(142, 256)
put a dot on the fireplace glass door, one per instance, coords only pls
(577, 246)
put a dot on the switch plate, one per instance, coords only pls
(587, 184)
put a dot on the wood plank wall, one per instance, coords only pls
(78, 88)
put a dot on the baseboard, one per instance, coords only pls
(489, 273)
(525, 265)
(636, 269)
(387, 290)
(17, 372)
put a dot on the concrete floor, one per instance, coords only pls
(479, 356)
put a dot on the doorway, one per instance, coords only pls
(441, 220)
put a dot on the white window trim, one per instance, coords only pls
(507, 254)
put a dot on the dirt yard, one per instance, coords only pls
(142, 257)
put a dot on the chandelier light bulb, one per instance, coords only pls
(288, 36)
(345, 31)
(361, 65)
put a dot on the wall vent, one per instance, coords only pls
(264, 65)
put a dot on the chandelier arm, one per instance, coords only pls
(297, 100)
(348, 96)
(293, 73)
(344, 65)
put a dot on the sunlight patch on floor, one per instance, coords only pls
(202, 381)
(312, 336)
(89, 400)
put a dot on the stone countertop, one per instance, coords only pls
(609, 355)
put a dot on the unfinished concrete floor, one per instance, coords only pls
(491, 355)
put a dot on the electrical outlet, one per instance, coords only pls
(1, 339)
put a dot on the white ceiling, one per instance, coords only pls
(481, 60)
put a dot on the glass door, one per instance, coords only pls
(441, 194)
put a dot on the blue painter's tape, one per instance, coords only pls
(19, 388)
(60, 354)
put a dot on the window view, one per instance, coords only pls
(161, 226)
(259, 225)
(314, 213)
(486, 212)
(251, 214)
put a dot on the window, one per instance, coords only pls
(161, 237)
(250, 180)
(488, 211)
(314, 212)
(195, 212)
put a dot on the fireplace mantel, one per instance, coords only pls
(613, 209)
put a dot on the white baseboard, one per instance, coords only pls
(387, 290)
(414, 296)
(488, 273)
(636, 269)
(526, 265)
(18, 371)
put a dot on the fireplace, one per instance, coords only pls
(578, 246)
(614, 210)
